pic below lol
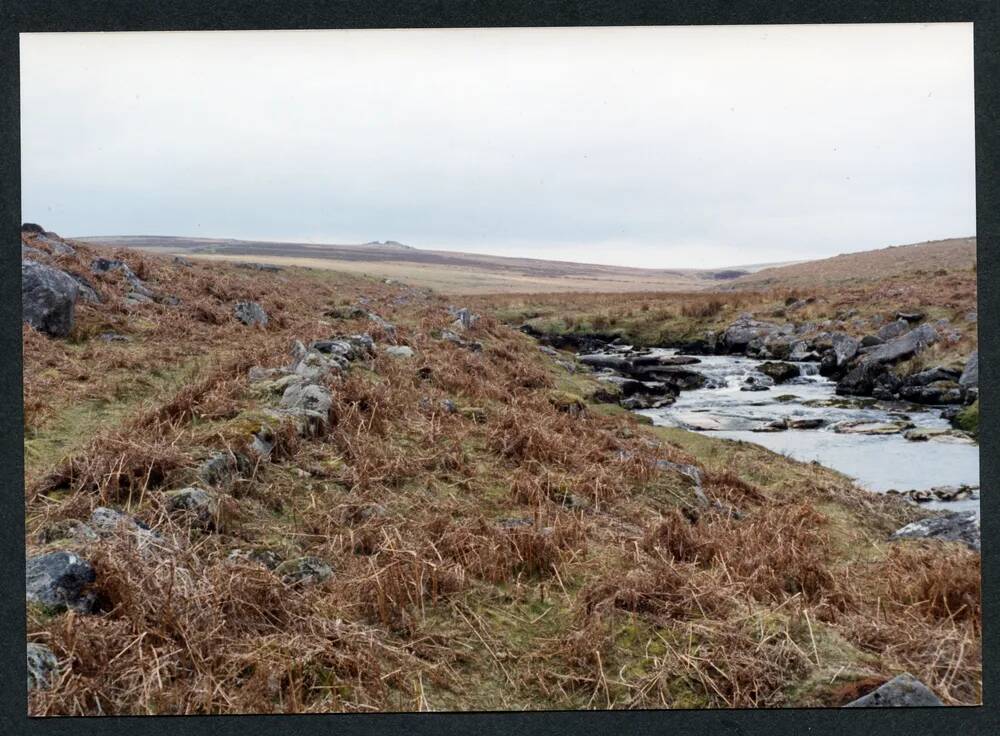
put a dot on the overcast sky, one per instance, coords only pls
(683, 147)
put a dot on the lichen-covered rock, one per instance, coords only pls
(351, 347)
(304, 571)
(250, 313)
(904, 691)
(309, 397)
(892, 330)
(903, 347)
(970, 375)
(387, 327)
(959, 526)
(567, 402)
(464, 318)
(57, 581)
(139, 289)
(204, 506)
(224, 469)
(43, 667)
(48, 298)
(313, 364)
(399, 351)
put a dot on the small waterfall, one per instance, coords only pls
(809, 369)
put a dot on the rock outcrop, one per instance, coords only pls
(904, 691)
(959, 526)
(58, 580)
(251, 314)
(48, 298)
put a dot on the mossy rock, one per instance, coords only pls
(568, 402)
(968, 419)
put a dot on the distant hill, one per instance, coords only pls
(470, 273)
(454, 272)
(894, 261)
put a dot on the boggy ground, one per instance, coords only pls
(520, 552)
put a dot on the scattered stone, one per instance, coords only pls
(958, 526)
(351, 347)
(939, 434)
(313, 365)
(308, 397)
(805, 423)
(845, 347)
(520, 523)
(259, 373)
(346, 313)
(399, 351)
(970, 375)
(57, 580)
(224, 469)
(567, 402)
(203, 505)
(464, 318)
(775, 425)
(903, 347)
(182, 261)
(262, 442)
(303, 571)
(387, 327)
(87, 291)
(872, 428)
(259, 267)
(48, 298)
(43, 667)
(779, 372)
(892, 330)
(870, 341)
(646, 401)
(250, 314)
(448, 406)
(138, 286)
(114, 337)
(549, 350)
(902, 691)
(937, 392)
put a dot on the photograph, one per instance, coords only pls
(499, 369)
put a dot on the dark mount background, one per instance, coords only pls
(144, 15)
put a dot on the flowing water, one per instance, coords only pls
(876, 462)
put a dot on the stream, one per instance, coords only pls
(876, 462)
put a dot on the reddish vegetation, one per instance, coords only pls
(511, 554)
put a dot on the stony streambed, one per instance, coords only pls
(878, 462)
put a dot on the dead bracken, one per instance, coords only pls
(462, 529)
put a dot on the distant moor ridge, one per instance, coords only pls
(470, 273)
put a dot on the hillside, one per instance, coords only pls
(308, 491)
(446, 271)
(919, 259)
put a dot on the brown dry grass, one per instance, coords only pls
(516, 556)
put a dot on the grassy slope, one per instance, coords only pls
(623, 592)
(657, 319)
(918, 259)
